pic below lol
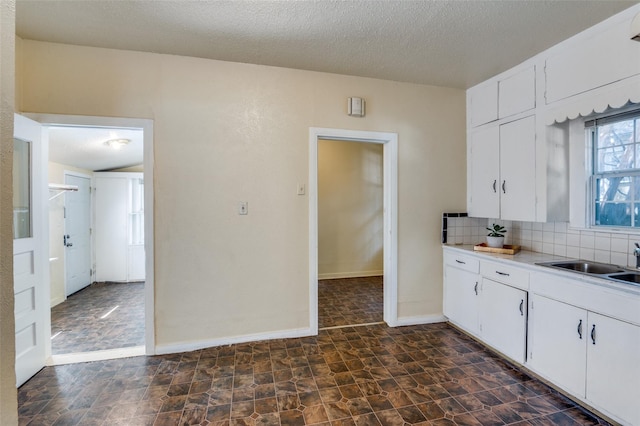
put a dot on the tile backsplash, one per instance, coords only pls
(556, 238)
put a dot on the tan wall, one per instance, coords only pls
(56, 232)
(243, 132)
(8, 395)
(350, 209)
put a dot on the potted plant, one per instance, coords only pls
(495, 238)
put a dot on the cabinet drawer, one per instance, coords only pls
(506, 274)
(462, 261)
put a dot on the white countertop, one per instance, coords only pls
(528, 260)
(523, 256)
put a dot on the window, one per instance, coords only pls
(615, 180)
(136, 215)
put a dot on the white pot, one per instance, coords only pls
(497, 242)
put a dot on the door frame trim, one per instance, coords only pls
(148, 161)
(390, 215)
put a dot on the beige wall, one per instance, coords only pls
(8, 396)
(350, 209)
(56, 232)
(243, 132)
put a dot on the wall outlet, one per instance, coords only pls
(243, 208)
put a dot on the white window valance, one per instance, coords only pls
(614, 95)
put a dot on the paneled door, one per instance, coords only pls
(77, 239)
(29, 232)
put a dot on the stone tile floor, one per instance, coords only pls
(369, 375)
(349, 301)
(80, 327)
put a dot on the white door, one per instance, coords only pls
(30, 279)
(613, 370)
(517, 170)
(77, 238)
(484, 179)
(558, 339)
(503, 318)
(111, 228)
(461, 301)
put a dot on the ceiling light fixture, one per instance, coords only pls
(117, 143)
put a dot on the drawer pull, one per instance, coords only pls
(580, 329)
(521, 306)
(593, 334)
(494, 186)
(502, 273)
(475, 288)
(460, 261)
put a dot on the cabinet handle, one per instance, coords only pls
(495, 182)
(502, 273)
(593, 334)
(580, 329)
(521, 306)
(504, 191)
(460, 261)
(475, 288)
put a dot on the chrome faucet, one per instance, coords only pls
(636, 253)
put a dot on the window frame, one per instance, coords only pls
(591, 132)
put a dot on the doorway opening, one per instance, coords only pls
(389, 143)
(101, 240)
(350, 233)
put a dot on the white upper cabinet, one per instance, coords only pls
(518, 170)
(484, 172)
(482, 103)
(591, 62)
(517, 93)
(502, 171)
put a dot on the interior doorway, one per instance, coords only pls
(389, 142)
(350, 233)
(139, 224)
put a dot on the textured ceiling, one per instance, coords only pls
(444, 43)
(84, 147)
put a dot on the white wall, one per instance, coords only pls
(227, 132)
(350, 209)
(56, 232)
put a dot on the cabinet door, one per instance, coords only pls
(484, 177)
(558, 338)
(613, 367)
(517, 93)
(483, 103)
(503, 318)
(461, 298)
(517, 170)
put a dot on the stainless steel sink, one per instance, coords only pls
(585, 267)
(629, 277)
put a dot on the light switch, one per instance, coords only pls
(243, 208)
(301, 189)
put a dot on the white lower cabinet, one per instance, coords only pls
(592, 356)
(493, 311)
(558, 334)
(461, 292)
(613, 367)
(503, 318)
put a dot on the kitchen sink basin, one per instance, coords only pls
(629, 277)
(585, 267)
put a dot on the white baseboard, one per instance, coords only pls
(57, 301)
(336, 275)
(78, 357)
(425, 319)
(202, 344)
